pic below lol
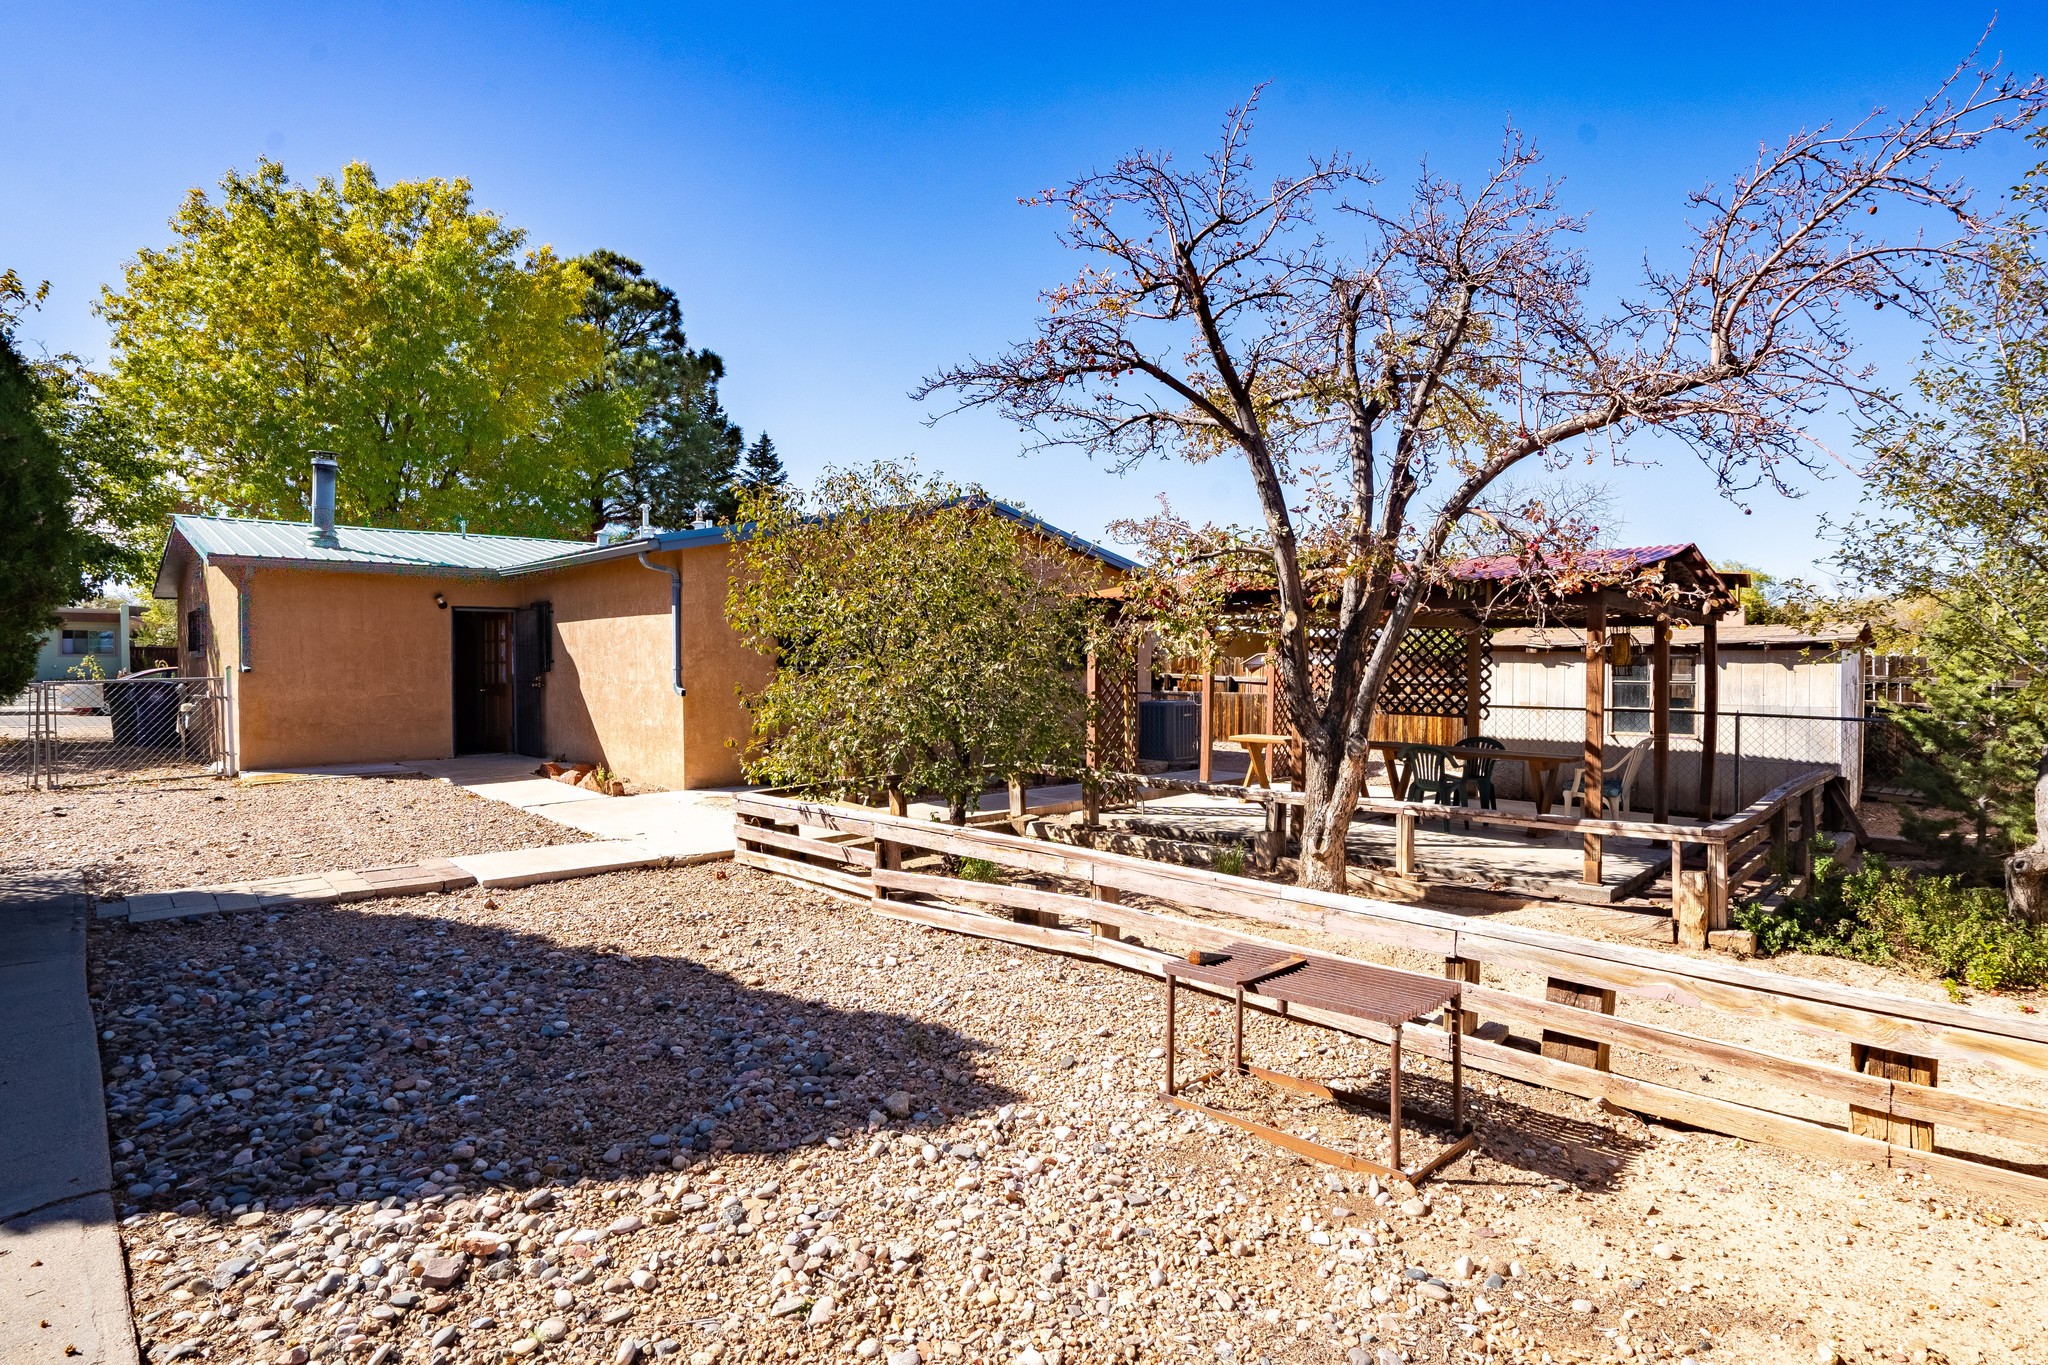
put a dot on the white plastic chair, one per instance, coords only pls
(1615, 786)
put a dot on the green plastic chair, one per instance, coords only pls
(1431, 776)
(1478, 772)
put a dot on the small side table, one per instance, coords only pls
(1353, 989)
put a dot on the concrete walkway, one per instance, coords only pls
(691, 826)
(659, 829)
(63, 1282)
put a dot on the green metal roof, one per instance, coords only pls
(289, 543)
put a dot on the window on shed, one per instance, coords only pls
(195, 631)
(1628, 696)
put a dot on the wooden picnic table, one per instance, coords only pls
(1541, 766)
(1258, 774)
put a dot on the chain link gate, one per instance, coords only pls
(86, 732)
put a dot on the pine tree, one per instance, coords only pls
(763, 468)
(760, 472)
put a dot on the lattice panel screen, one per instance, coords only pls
(1428, 677)
(1113, 700)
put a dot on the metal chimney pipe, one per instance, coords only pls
(324, 469)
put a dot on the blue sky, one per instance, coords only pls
(833, 193)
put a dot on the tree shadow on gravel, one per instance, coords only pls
(340, 1055)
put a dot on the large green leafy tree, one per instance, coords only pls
(398, 325)
(124, 490)
(683, 450)
(1956, 514)
(41, 550)
(917, 634)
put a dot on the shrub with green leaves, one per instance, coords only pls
(977, 870)
(918, 632)
(1890, 916)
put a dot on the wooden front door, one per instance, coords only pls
(483, 682)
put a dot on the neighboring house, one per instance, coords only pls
(349, 644)
(1798, 693)
(85, 639)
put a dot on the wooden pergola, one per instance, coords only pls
(1660, 587)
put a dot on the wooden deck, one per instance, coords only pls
(1544, 864)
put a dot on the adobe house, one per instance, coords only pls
(351, 644)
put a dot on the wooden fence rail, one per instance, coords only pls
(1890, 1045)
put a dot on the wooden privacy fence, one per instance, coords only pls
(1889, 1085)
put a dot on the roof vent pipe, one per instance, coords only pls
(324, 468)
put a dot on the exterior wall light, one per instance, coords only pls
(440, 601)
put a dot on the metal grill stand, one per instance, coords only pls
(1387, 997)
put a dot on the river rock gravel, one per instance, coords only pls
(126, 838)
(705, 1115)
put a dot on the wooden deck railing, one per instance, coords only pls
(1891, 1047)
(1733, 848)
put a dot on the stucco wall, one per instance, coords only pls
(345, 667)
(350, 667)
(610, 699)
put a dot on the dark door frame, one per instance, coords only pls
(455, 616)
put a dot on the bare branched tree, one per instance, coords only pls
(1427, 351)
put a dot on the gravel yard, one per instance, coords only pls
(123, 839)
(705, 1115)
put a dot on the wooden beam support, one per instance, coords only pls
(1809, 826)
(1563, 1047)
(1660, 720)
(1204, 764)
(1708, 678)
(1595, 759)
(1475, 664)
(1885, 1123)
(1465, 970)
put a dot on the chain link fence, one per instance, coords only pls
(87, 732)
(1755, 750)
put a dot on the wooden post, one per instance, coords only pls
(899, 805)
(1709, 680)
(1562, 1046)
(1466, 970)
(889, 856)
(1892, 1066)
(1089, 753)
(1691, 907)
(1475, 657)
(1660, 720)
(1404, 843)
(1717, 886)
(1781, 839)
(1108, 895)
(1204, 764)
(1017, 806)
(1590, 799)
(1809, 825)
(1272, 686)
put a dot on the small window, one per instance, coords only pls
(1629, 697)
(195, 631)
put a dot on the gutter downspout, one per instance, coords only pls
(675, 617)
